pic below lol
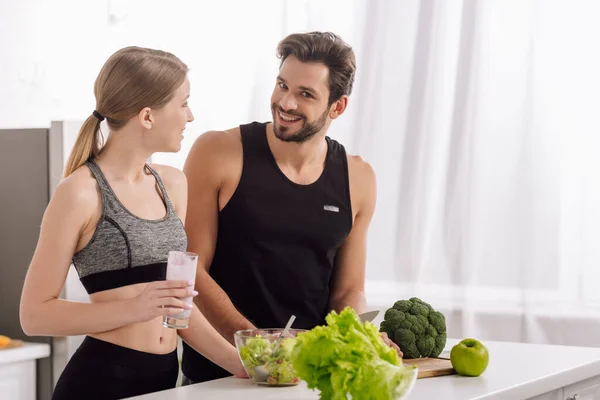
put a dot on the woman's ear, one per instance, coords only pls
(145, 117)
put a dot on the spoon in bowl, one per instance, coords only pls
(260, 371)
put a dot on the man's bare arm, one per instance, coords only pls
(348, 285)
(206, 168)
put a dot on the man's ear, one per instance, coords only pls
(338, 107)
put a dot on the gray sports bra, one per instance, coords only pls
(126, 249)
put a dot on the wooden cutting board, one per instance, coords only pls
(430, 367)
(12, 344)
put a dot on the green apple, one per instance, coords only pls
(469, 357)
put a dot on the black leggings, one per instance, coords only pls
(102, 370)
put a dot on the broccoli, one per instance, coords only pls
(416, 328)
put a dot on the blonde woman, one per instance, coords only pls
(115, 217)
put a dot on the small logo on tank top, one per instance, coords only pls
(331, 208)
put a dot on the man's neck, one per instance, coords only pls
(298, 156)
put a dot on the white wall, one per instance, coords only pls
(51, 52)
(47, 71)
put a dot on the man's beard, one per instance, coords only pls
(308, 129)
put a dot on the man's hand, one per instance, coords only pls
(390, 343)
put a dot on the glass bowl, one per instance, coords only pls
(256, 348)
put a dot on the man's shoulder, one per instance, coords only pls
(226, 139)
(360, 169)
(363, 184)
(218, 139)
(214, 146)
(216, 154)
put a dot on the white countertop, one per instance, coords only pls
(515, 371)
(29, 351)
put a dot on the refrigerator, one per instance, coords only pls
(31, 165)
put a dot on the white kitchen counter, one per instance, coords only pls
(18, 370)
(515, 371)
(29, 351)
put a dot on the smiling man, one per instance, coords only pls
(277, 211)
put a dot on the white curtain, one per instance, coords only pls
(478, 119)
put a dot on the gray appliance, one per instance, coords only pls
(31, 164)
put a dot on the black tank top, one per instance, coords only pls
(277, 242)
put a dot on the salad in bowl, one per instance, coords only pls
(263, 363)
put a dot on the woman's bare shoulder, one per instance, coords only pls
(78, 190)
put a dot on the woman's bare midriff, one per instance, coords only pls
(150, 336)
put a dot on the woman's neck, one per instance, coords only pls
(123, 159)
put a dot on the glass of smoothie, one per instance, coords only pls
(181, 265)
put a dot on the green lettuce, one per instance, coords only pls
(346, 357)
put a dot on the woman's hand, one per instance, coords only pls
(162, 298)
(238, 369)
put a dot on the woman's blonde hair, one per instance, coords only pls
(131, 79)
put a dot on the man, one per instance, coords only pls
(278, 212)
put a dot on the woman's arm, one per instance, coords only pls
(203, 338)
(42, 313)
(200, 334)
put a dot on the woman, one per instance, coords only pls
(116, 218)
